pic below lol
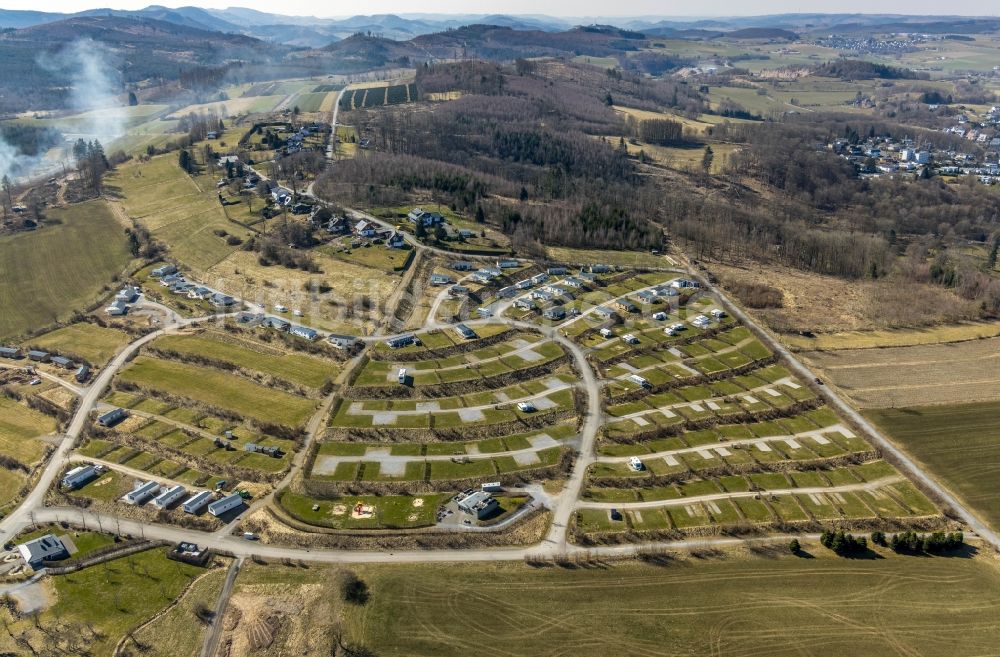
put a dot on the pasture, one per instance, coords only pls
(180, 210)
(19, 426)
(958, 444)
(39, 289)
(894, 337)
(725, 608)
(219, 389)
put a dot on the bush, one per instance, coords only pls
(794, 546)
(353, 589)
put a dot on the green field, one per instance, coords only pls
(110, 598)
(219, 389)
(773, 607)
(959, 444)
(19, 426)
(39, 289)
(294, 367)
(91, 342)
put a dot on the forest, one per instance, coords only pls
(538, 150)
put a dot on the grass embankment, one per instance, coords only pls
(49, 273)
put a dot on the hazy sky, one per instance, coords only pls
(552, 7)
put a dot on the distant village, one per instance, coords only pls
(882, 156)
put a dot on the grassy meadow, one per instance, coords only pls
(94, 343)
(297, 368)
(219, 389)
(775, 607)
(958, 444)
(39, 289)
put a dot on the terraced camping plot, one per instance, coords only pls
(525, 350)
(298, 368)
(216, 388)
(489, 407)
(486, 458)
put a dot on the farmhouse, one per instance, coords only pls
(660, 316)
(458, 290)
(169, 496)
(480, 504)
(508, 292)
(606, 333)
(341, 341)
(82, 374)
(79, 475)
(141, 492)
(465, 331)
(225, 505)
(538, 279)
(304, 332)
(600, 269)
(113, 417)
(462, 266)
(508, 264)
(10, 352)
(700, 321)
(556, 271)
(63, 362)
(395, 240)
(419, 215)
(365, 228)
(524, 304)
(197, 502)
(41, 549)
